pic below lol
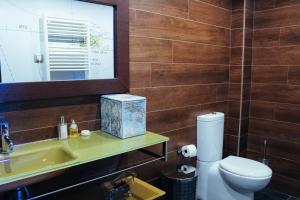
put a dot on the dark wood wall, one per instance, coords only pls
(275, 100)
(190, 57)
(179, 60)
(239, 76)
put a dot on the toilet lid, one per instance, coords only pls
(245, 167)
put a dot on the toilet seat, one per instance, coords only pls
(245, 167)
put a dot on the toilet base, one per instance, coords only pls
(211, 185)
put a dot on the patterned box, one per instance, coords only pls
(123, 115)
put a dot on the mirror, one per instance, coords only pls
(56, 40)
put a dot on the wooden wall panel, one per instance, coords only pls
(179, 60)
(275, 90)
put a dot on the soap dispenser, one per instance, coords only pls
(62, 129)
(73, 131)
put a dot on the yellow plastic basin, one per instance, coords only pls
(30, 161)
(144, 191)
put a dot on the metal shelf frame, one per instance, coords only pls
(156, 157)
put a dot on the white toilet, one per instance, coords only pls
(233, 178)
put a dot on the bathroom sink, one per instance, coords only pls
(29, 162)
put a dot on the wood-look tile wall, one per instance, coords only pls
(239, 76)
(275, 100)
(179, 60)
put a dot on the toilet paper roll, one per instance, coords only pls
(189, 151)
(186, 169)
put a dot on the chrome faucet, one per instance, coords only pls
(6, 144)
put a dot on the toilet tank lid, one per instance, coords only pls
(245, 167)
(214, 116)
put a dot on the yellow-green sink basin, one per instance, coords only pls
(11, 165)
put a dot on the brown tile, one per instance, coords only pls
(236, 56)
(237, 4)
(294, 75)
(214, 107)
(276, 130)
(34, 135)
(150, 50)
(246, 91)
(288, 113)
(181, 137)
(236, 74)
(245, 110)
(234, 92)
(210, 14)
(284, 184)
(248, 37)
(234, 109)
(290, 55)
(138, 91)
(269, 74)
(248, 56)
(290, 36)
(243, 145)
(178, 8)
(221, 3)
(276, 148)
(186, 74)
(247, 74)
(237, 19)
(249, 19)
(168, 120)
(266, 56)
(131, 21)
(201, 54)
(222, 92)
(22, 120)
(237, 37)
(140, 75)
(262, 4)
(230, 143)
(169, 97)
(232, 126)
(288, 16)
(266, 37)
(159, 26)
(244, 126)
(276, 93)
(260, 109)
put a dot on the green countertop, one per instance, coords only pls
(83, 150)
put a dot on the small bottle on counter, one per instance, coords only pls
(62, 129)
(73, 130)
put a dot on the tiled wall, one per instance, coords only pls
(179, 60)
(239, 76)
(275, 100)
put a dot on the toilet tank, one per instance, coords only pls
(210, 132)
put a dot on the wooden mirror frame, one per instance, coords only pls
(10, 92)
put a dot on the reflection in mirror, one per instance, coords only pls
(52, 40)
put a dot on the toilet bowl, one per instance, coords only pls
(232, 178)
(244, 174)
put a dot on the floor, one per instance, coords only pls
(268, 194)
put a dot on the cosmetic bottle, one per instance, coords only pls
(62, 129)
(73, 130)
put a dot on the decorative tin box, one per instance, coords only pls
(123, 115)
